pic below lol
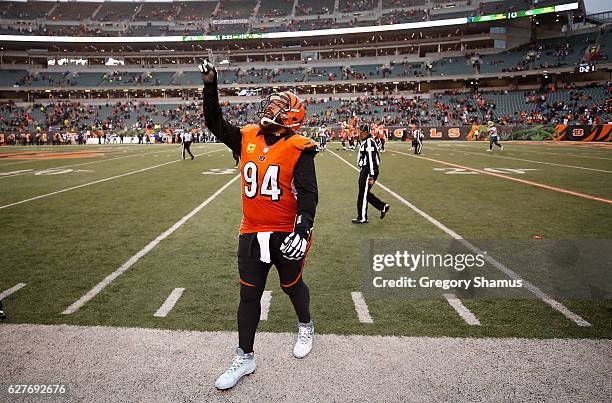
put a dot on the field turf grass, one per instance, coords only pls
(63, 244)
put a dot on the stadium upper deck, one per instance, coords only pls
(241, 9)
(236, 16)
(498, 51)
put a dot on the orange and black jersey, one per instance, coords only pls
(278, 172)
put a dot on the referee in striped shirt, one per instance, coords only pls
(186, 136)
(368, 160)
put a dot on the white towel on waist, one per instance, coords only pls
(264, 246)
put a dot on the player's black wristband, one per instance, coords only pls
(303, 224)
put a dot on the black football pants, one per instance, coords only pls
(365, 196)
(186, 145)
(253, 276)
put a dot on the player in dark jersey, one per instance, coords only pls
(279, 198)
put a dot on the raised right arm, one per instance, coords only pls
(226, 132)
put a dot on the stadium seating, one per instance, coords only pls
(276, 28)
(52, 80)
(223, 29)
(9, 78)
(21, 10)
(402, 3)
(71, 12)
(346, 6)
(188, 78)
(500, 62)
(288, 75)
(148, 30)
(274, 8)
(452, 66)
(545, 53)
(314, 7)
(157, 12)
(494, 7)
(118, 78)
(307, 25)
(440, 109)
(403, 16)
(196, 10)
(116, 11)
(367, 71)
(162, 78)
(406, 70)
(606, 44)
(232, 9)
(325, 74)
(91, 80)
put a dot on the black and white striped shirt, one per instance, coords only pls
(368, 157)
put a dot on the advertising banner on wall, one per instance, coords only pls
(533, 132)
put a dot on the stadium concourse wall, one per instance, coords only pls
(586, 133)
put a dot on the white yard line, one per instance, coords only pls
(96, 182)
(511, 178)
(498, 155)
(266, 299)
(18, 173)
(561, 154)
(465, 313)
(363, 313)
(167, 306)
(141, 253)
(11, 290)
(577, 319)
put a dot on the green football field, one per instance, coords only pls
(154, 223)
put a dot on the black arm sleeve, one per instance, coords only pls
(305, 182)
(226, 132)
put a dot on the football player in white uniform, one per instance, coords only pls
(493, 136)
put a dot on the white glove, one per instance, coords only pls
(208, 71)
(294, 246)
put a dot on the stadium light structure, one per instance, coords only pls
(294, 34)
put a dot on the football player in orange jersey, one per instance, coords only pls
(382, 137)
(279, 199)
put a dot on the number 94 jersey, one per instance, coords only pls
(269, 200)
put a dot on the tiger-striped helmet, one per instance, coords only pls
(283, 109)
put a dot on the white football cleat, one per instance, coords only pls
(303, 345)
(488, 150)
(242, 364)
